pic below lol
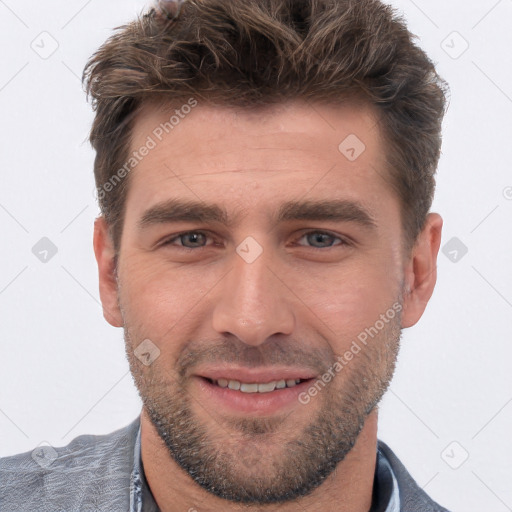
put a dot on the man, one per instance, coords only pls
(265, 171)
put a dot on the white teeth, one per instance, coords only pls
(266, 388)
(248, 388)
(254, 387)
(234, 384)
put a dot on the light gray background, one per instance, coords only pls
(63, 368)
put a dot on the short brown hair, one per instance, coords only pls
(251, 53)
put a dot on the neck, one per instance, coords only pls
(348, 488)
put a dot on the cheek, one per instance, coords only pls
(351, 300)
(160, 297)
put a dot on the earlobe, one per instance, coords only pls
(421, 271)
(105, 253)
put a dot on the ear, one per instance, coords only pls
(104, 252)
(421, 270)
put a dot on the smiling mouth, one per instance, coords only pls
(256, 387)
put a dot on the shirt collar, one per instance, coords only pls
(141, 499)
(386, 497)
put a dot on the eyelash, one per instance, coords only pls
(169, 241)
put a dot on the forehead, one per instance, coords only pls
(198, 123)
(252, 155)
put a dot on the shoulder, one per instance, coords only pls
(412, 497)
(82, 475)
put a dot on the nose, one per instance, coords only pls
(253, 302)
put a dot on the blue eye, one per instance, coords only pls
(195, 237)
(198, 240)
(318, 236)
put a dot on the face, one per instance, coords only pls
(255, 257)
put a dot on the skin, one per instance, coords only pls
(301, 302)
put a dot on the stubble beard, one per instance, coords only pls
(255, 460)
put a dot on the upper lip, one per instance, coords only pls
(260, 375)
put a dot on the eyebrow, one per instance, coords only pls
(336, 210)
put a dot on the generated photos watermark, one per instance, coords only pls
(355, 348)
(150, 143)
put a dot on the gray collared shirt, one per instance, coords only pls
(385, 493)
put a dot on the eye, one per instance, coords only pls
(188, 240)
(198, 240)
(322, 238)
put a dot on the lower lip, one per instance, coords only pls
(260, 404)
